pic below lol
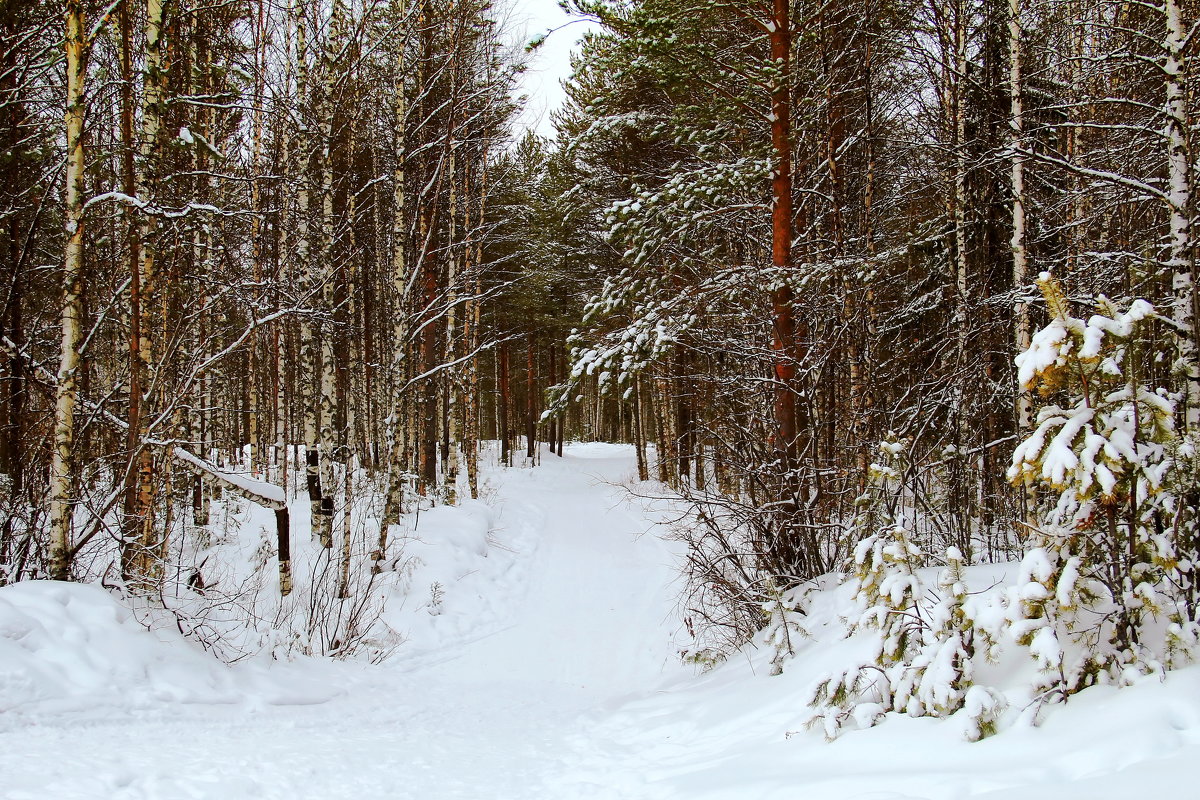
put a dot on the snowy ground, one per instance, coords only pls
(563, 681)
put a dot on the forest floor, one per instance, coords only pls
(570, 687)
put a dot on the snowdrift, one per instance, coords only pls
(73, 647)
(453, 578)
(738, 731)
(535, 663)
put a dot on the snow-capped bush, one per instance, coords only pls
(1105, 589)
(783, 631)
(922, 664)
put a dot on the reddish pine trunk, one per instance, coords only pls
(793, 550)
(783, 340)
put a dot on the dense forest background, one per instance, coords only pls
(254, 241)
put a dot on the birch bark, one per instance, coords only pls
(1020, 254)
(62, 461)
(398, 427)
(309, 355)
(328, 356)
(1180, 202)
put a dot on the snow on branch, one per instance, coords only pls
(256, 491)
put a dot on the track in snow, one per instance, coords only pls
(503, 714)
(557, 682)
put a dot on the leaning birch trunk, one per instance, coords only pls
(264, 494)
(62, 463)
(256, 491)
(1179, 198)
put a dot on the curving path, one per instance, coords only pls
(584, 622)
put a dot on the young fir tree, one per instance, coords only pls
(926, 640)
(1105, 586)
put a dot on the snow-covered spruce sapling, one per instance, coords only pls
(922, 664)
(887, 592)
(855, 692)
(437, 593)
(1051, 605)
(704, 659)
(1104, 563)
(1178, 552)
(784, 611)
(982, 708)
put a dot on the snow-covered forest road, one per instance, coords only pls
(548, 671)
(582, 619)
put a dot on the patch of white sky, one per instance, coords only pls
(549, 64)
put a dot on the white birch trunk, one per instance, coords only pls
(328, 387)
(398, 426)
(474, 258)
(1021, 326)
(1021, 330)
(961, 273)
(62, 461)
(1180, 200)
(309, 364)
